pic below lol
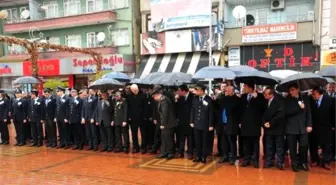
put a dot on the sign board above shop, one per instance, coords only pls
(298, 57)
(11, 69)
(48, 67)
(269, 33)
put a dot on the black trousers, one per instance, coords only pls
(64, 133)
(4, 131)
(233, 147)
(20, 138)
(27, 131)
(183, 138)
(293, 141)
(219, 144)
(202, 143)
(333, 148)
(251, 149)
(37, 132)
(150, 133)
(91, 134)
(157, 138)
(274, 146)
(50, 126)
(325, 146)
(121, 136)
(135, 139)
(177, 136)
(107, 136)
(167, 141)
(225, 143)
(77, 132)
(241, 145)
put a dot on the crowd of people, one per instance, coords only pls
(182, 120)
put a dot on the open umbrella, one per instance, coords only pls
(122, 77)
(173, 79)
(305, 81)
(283, 73)
(330, 80)
(148, 80)
(213, 72)
(242, 69)
(257, 77)
(329, 71)
(26, 80)
(105, 84)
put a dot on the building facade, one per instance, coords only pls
(105, 26)
(275, 34)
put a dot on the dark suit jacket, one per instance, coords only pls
(297, 119)
(183, 109)
(120, 111)
(253, 112)
(104, 115)
(167, 113)
(88, 108)
(323, 118)
(202, 114)
(136, 105)
(148, 107)
(50, 107)
(62, 108)
(233, 108)
(20, 108)
(4, 109)
(36, 110)
(75, 112)
(275, 115)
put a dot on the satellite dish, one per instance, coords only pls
(25, 14)
(3, 14)
(101, 36)
(239, 12)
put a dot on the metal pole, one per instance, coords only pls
(210, 45)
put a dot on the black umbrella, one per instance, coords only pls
(329, 71)
(257, 77)
(106, 84)
(173, 79)
(330, 80)
(148, 80)
(26, 80)
(305, 81)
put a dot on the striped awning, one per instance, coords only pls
(177, 62)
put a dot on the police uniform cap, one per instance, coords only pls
(18, 91)
(200, 86)
(34, 91)
(47, 90)
(60, 89)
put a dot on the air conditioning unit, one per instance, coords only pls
(277, 4)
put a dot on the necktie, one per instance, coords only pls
(249, 97)
(200, 99)
(103, 104)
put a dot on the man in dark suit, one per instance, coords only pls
(148, 118)
(4, 112)
(299, 124)
(331, 91)
(104, 118)
(254, 106)
(230, 118)
(323, 117)
(274, 128)
(36, 117)
(202, 121)
(121, 128)
(75, 105)
(186, 132)
(19, 117)
(167, 123)
(61, 117)
(88, 109)
(49, 115)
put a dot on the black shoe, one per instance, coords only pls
(304, 167)
(197, 160)
(268, 166)
(170, 156)
(75, 148)
(103, 150)
(326, 166)
(190, 157)
(256, 165)
(295, 169)
(204, 160)
(144, 151)
(117, 150)
(60, 146)
(20, 144)
(154, 152)
(232, 162)
(180, 155)
(95, 149)
(135, 151)
(90, 148)
(126, 151)
(17, 144)
(33, 145)
(49, 145)
(6, 143)
(39, 145)
(66, 147)
(223, 160)
(281, 166)
(54, 145)
(109, 150)
(161, 156)
(245, 164)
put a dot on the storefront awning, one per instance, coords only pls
(177, 62)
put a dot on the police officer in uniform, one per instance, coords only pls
(89, 106)
(61, 117)
(202, 121)
(49, 115)
(19, 117)
(121, 127)
(75, 105)
(36, 117)
(4, 111)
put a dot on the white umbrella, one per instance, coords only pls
(283, 73)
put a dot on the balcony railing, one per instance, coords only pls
(273, 20)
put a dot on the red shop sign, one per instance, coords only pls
(111, 61)
(5, 69)
(49, 67)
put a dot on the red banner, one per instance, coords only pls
(50, 67)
